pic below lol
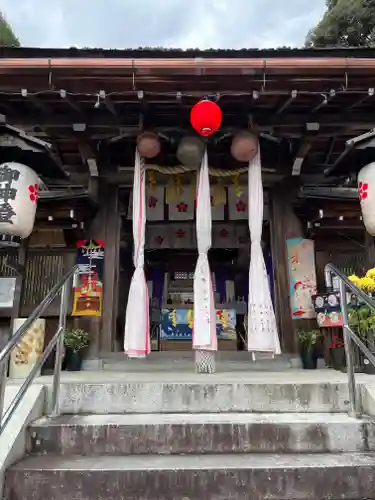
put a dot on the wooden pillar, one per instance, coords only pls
(112, 232)
(370, 250)
(106, 226)
(20, 279)
(284, 224)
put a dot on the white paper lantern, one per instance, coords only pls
(244, 146)
(19, 192)
(366, 190)
(190, 151)
(148, 145)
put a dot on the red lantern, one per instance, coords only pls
(205, 117)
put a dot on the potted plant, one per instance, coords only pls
(307, 340)
(75, 341)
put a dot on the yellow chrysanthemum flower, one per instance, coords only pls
(366, 284)
(371, 273)
(354, 279)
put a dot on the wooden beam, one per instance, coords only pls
(72, 104)
(86, 149)
(356, 120)
(362, 100)
(107, 102)
(325, 99)
(38, 103)
(288, 102)
(302, 153)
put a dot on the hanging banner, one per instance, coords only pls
(183, 207)
(302, 277)
(88, 281)
(157, 236)
(155, 203)
(238, 205)
(223, 236)
(182, 236)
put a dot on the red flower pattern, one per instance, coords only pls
(182, 207)
(152, 202)
(240, 206)
(34, 193)
(363, 190)
(180, 233)
(223, 233)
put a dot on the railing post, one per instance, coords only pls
(59, 349)
(3, 381)
(353, 399)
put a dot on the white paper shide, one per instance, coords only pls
(19, 192)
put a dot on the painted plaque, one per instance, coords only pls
(88, 282)
(177, 324)
(302, 277)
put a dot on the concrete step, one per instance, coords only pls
(226, 361)
(194, 477)
(200, 433)
(87, 397)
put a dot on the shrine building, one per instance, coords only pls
(186, 239)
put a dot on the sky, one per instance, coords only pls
(163, 23)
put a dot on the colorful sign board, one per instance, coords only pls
(88, 281)
(177, 324)
(302, 277)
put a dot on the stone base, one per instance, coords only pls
(205, 361)
(92, 364)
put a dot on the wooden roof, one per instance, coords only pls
(303, 103)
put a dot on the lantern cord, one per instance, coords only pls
(49, 91)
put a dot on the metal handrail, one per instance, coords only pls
(57, 340)
(348, 334)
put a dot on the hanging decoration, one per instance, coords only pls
(205, 117)
(190, 151)
(155, 203)
(244, 146)
(179, 187)
(181, 207)
(171, 195)
(137, 322)
(261, 325)
(151, 180)
(237, 187)
(148, 145)
(181, 169)
(219, 194)
(238, 206)
(366, 191)
(19, 193)
(88, 282)
(204, 335)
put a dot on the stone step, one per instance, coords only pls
(200, 433)
(194, 477)
(200, 397)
